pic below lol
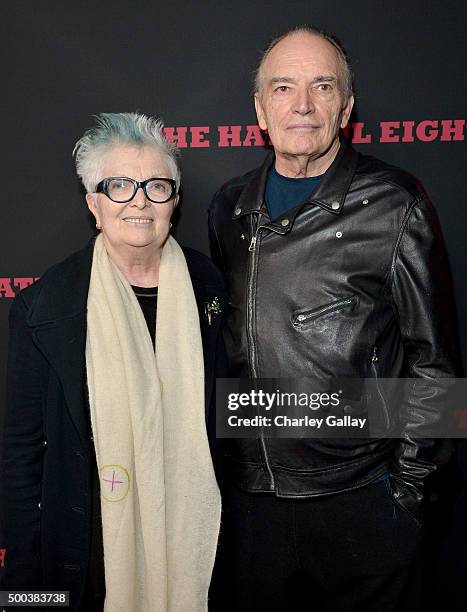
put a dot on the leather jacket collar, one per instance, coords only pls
(329, 195)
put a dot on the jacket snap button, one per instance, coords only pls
(365, 201)
(335, 206)
(238, 211)
(285, 222)
(39, 505)
(338, 234)
(44, 443)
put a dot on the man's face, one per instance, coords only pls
(302, 103)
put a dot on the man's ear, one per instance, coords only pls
(346, 111)
(260, 113)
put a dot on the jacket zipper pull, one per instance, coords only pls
(375, 356)
(252, 244)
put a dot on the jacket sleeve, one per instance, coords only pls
(22, 455)
(423, 298)
(214, 245)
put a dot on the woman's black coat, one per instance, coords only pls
(48, 451)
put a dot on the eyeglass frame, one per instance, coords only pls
(102, 187)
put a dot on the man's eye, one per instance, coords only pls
(324, 87)
(282, 88)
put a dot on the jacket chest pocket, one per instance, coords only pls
(305, 318)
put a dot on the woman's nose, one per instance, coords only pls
(140, 200)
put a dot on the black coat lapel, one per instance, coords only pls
(58, 316)
(209, 293)
(209, 334)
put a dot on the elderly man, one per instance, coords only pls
(336, 267)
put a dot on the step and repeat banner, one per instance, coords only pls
(191, 64)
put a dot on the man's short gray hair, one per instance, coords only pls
(113, 129)
(308, 29)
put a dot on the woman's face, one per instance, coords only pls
(138, 223)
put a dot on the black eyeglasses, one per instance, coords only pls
(122, 189)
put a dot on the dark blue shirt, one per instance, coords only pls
(283, 193)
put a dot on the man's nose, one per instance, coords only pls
(140, 200)
(304, 102)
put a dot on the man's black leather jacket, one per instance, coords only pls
(353, 283)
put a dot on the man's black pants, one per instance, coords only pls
(357, 551)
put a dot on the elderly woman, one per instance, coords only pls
(109, 488)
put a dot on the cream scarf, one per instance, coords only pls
(159, 496)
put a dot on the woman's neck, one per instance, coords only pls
(139, 265)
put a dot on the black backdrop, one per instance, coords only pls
(191, 63)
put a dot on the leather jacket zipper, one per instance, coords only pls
(252, 273)
(251, 282)
(374, 367)
(303, 318)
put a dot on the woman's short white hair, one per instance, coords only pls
(112, 129)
